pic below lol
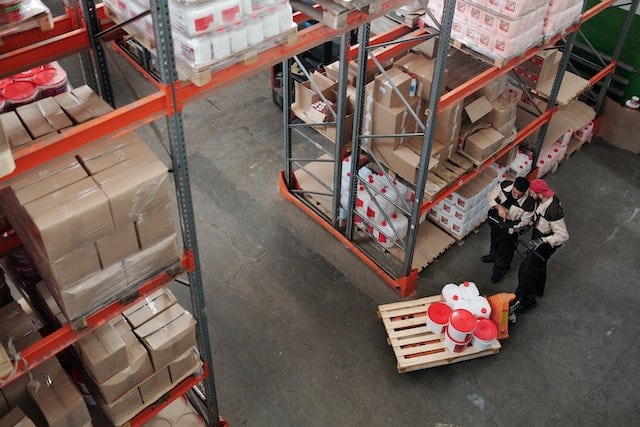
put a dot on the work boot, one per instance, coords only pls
(522, 306)
(487, 258)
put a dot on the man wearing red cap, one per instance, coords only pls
(510, 211)
(549, 233)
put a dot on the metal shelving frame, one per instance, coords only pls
(405, 280)
(73, 35)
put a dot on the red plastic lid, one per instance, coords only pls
(4, 83)
(50, 76)
(466, 341)
(28, 73)
(466, 284)
(18, 91)
(462, 320)
(486, 329)
(439, 312)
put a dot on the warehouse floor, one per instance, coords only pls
(292, 313)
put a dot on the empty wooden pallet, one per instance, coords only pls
(414, 345)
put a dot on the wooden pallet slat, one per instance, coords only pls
(414, 346)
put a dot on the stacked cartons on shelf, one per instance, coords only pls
(137, 357)
(96, 223)
(46, 395)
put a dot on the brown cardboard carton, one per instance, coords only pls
(508, 158)
(483, 143)
(478, 109)
(134, 188)
(448, 122)
(184, 366)
(168, 335)
(74, 266)
(155, 386)
(541, 68)
(504, 111)
(78, 112)
(53, 114)
(42, 184)
(401, 160)
(53, 312)
(507, 128)
(382, 120)
(91, 101)
(305, 94)
(152, 259)
(58, 399)
(177, 413)
(17, 135)
(14, 322)
(16, 418)
(621, 126)
(103, 353)
(137, 370)
(43, 172)
(494, 88)
(117, 246)
(155, 226)
(104, 154)
(70, 217)
(422, 68)
(6, 367)
(125, 408)
(92, 292)
(35, 122)
(148, 308)
(383, 90)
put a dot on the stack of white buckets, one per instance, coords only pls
(376, 205)
(463, 318)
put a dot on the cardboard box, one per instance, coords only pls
(118, 246)
(422, 68)
(134, 188)
(178, 413)
(155, 386)
(16, 418)
(52, 310)
(468, 195)
(53, 114)
(16, 134)
(91, 101)
(152, 259)
(35, 122)
(541, 68)
(148, 308)
(14, 323)
(59, 400)
(155, 226)
(508, 128)
(6, 367)
(78, 112)
(90, 293)
(382, 120)
(508, 158)
(503, 111)
(74, 266)
(448, 122)
(478, 109)
(494, 88)
(402, 160)
(104, 154)
(305, 94)
(137, 370)
(483, 143)
(125, 408)
(618, 123)
(184, 366)
(41, 183)
(103, 353)
(168, 335)
(383, 90)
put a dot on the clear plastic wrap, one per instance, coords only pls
(13, 12)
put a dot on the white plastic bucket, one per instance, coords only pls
(454, 345)
(387, 200)
(437, 317)
(468, 290)
(379, 181)
(461, 324)
(451, 294)
(220, 44)
(484, 334)
(462, 304)
(480, 307)
(400, 223)
(384, 235)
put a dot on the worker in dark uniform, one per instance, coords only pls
(510, 212)
(549, 233)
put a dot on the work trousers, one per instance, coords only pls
(532, 276)
(503, 246)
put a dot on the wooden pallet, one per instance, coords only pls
(495, 61)
(37, 15)
(414, 345)
(506, 141)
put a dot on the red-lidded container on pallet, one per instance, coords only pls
(19, 93)
(51, 81)
(27, 75)
(10, 11)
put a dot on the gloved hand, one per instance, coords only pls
(535, 244)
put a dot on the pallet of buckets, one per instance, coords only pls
(96, 223)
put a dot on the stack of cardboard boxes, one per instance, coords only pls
(45, 396)
(95, 223)
(465, 209)
(136, 358)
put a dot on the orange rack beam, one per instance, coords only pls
(62, 338)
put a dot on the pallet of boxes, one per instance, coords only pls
(97, 223)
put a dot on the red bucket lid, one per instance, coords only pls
(28, 73)
(439, 312)
(462, 320)
(18, 91)
(50, 76)
(486, 329)
(4, 83)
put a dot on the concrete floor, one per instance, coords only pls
(292, 313)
